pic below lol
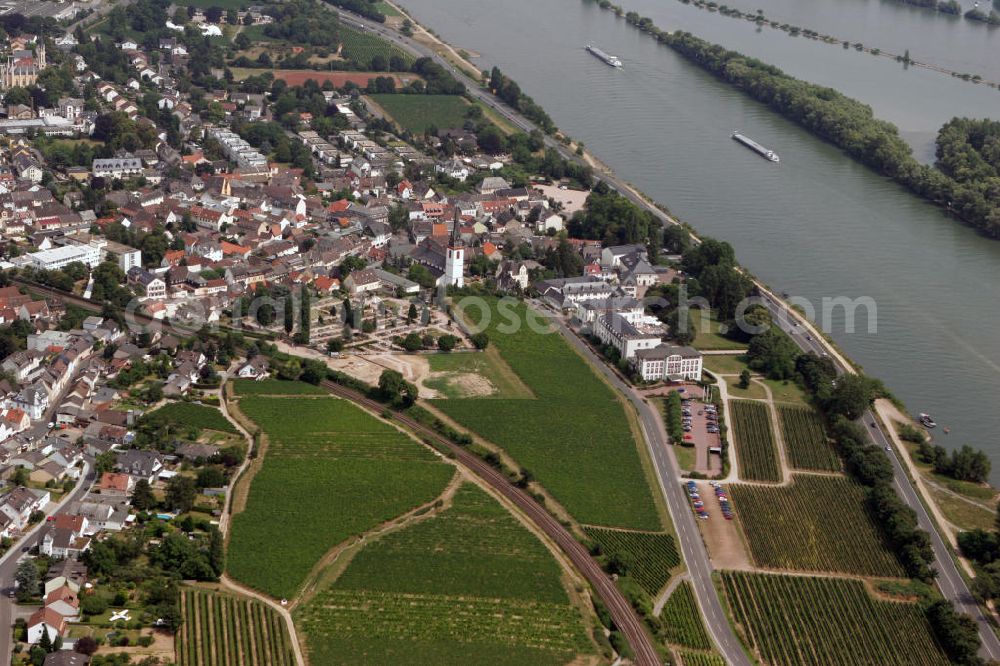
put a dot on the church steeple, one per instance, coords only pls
(456, 230)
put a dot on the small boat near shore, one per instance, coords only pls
(608, 59)
(927, 422)
(756, 147)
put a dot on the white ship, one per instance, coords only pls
(756, 147)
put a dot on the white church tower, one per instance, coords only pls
(454, 264)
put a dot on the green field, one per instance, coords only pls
(243, 387)
(362, 47)
(798, 620)
(691, 658)
(706, 329)
(488, 366)
(467, 586)
(819, 523)
(226, 630)
(330, 471)
(575, 437)
(681, 620)
(755, 445)
(725, 364)
(199, 416)
(418, 112)
(806, 441)
(647, 557)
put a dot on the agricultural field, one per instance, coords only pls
(469, 585)
(682, 624)
(330, 471)
(647, 556)
(806, 441)
(691, 658)
(361, 47)
(470, 375)
(818, 523)
(243, 387)
(570, 436)
(190, 414)
(755, 445)
(418, 112)
(225, 630)
(793, 620)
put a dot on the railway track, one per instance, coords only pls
(622, 613)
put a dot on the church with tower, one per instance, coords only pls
(444, 255)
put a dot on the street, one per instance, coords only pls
(691, 544)
(9, 562)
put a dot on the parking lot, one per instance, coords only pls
(700, 420)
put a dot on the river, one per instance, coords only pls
(817, 225)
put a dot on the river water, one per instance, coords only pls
(818, 225)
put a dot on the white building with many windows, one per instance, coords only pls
(668, 362)
(59, 257)
(617, 331)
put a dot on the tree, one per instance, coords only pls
(447, 342)
(211, 477)
(216, 551)
(852, 396)
(45, 642)
(956, 633)
(480, 340)
(395, 390)
(744, 379)
(85, 645)
(142, 496)
(26, 578)
(20, 477)
(181, 493)
(412, 342)
(411, 313)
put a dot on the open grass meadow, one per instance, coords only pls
(198, 416)
(756, 449)
(574, 436)
(243, 387)
(806, 440)
(226, 630)
(799, 620)
(818, 523)
(418, 112)
(648, 557)
(331, 471)
(468, 586)
(681, 620)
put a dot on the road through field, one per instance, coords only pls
(668, 473)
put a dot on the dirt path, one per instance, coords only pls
(671, 586)
(322, 569)
(231, 585)
(779, 437)
(226, 517)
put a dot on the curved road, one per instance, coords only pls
(624, 616)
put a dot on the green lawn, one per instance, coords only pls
(361, 47)
(574, 437)
(787, 391)
(487, 365)
(468, 586)
(199, 416)
(728, 364)
(418, 112)
(387, 9)
(330, 471)
(755, 391)
(710, 338)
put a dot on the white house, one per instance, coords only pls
(256, 368)
(617, 331)
(668, 362)
(47, 620)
